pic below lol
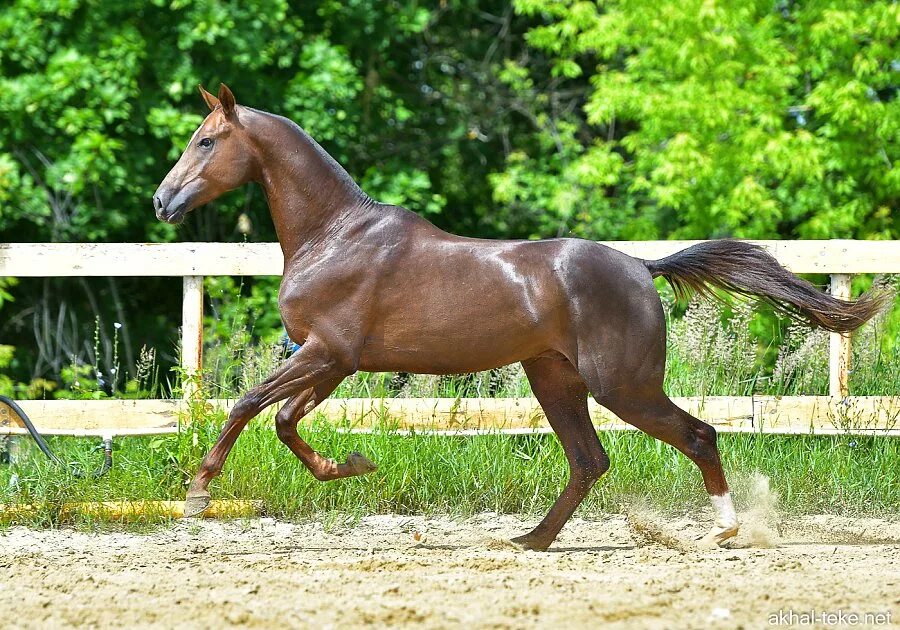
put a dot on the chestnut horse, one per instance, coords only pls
(369, 286)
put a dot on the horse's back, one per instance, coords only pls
(427, 300)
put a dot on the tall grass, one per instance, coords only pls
(423, 474)
(711, 351)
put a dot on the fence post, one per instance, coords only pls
(191, 333)
(839, 343)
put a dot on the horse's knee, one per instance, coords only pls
(286, 420)
(285, 427)
(289, 415)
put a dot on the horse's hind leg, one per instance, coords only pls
(563, 397)
(654, 413)
(322, 468)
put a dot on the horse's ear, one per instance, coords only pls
(226, 99)
(211, 100)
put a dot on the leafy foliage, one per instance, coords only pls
(704, 119)
(607, 119)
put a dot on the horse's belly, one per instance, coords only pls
(449, 345)
(423, 360)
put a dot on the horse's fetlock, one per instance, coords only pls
(208, 470)
(325, 471)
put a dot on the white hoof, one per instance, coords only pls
(726, 522)
(717, 535)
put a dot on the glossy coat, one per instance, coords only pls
(369, 286)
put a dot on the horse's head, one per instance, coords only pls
(218, 158)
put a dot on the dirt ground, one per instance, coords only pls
(638, 571)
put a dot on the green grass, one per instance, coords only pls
(710, 352)
(462, 475)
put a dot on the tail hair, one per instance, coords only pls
(749, 270)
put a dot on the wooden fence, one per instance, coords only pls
(838, 412)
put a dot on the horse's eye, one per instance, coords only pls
(206, 143)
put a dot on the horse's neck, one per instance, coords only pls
(307, 190)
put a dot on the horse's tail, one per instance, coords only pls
(747, 269)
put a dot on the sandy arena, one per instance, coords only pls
(618, 572)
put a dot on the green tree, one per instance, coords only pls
(607, 119)
(98, 99)
(704, 119)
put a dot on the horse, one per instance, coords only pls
(376, 287)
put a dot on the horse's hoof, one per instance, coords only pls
(196, 503)
(527, 542)
(359, 464)
(716, 536)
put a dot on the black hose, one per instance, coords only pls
(38, 438)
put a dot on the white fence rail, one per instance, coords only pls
(192, 261)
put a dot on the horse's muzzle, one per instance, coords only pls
(170, 210)
(157, 205)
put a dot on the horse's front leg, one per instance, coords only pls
(314, 363)
(322, 468)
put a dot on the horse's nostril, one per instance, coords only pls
(157, 203)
